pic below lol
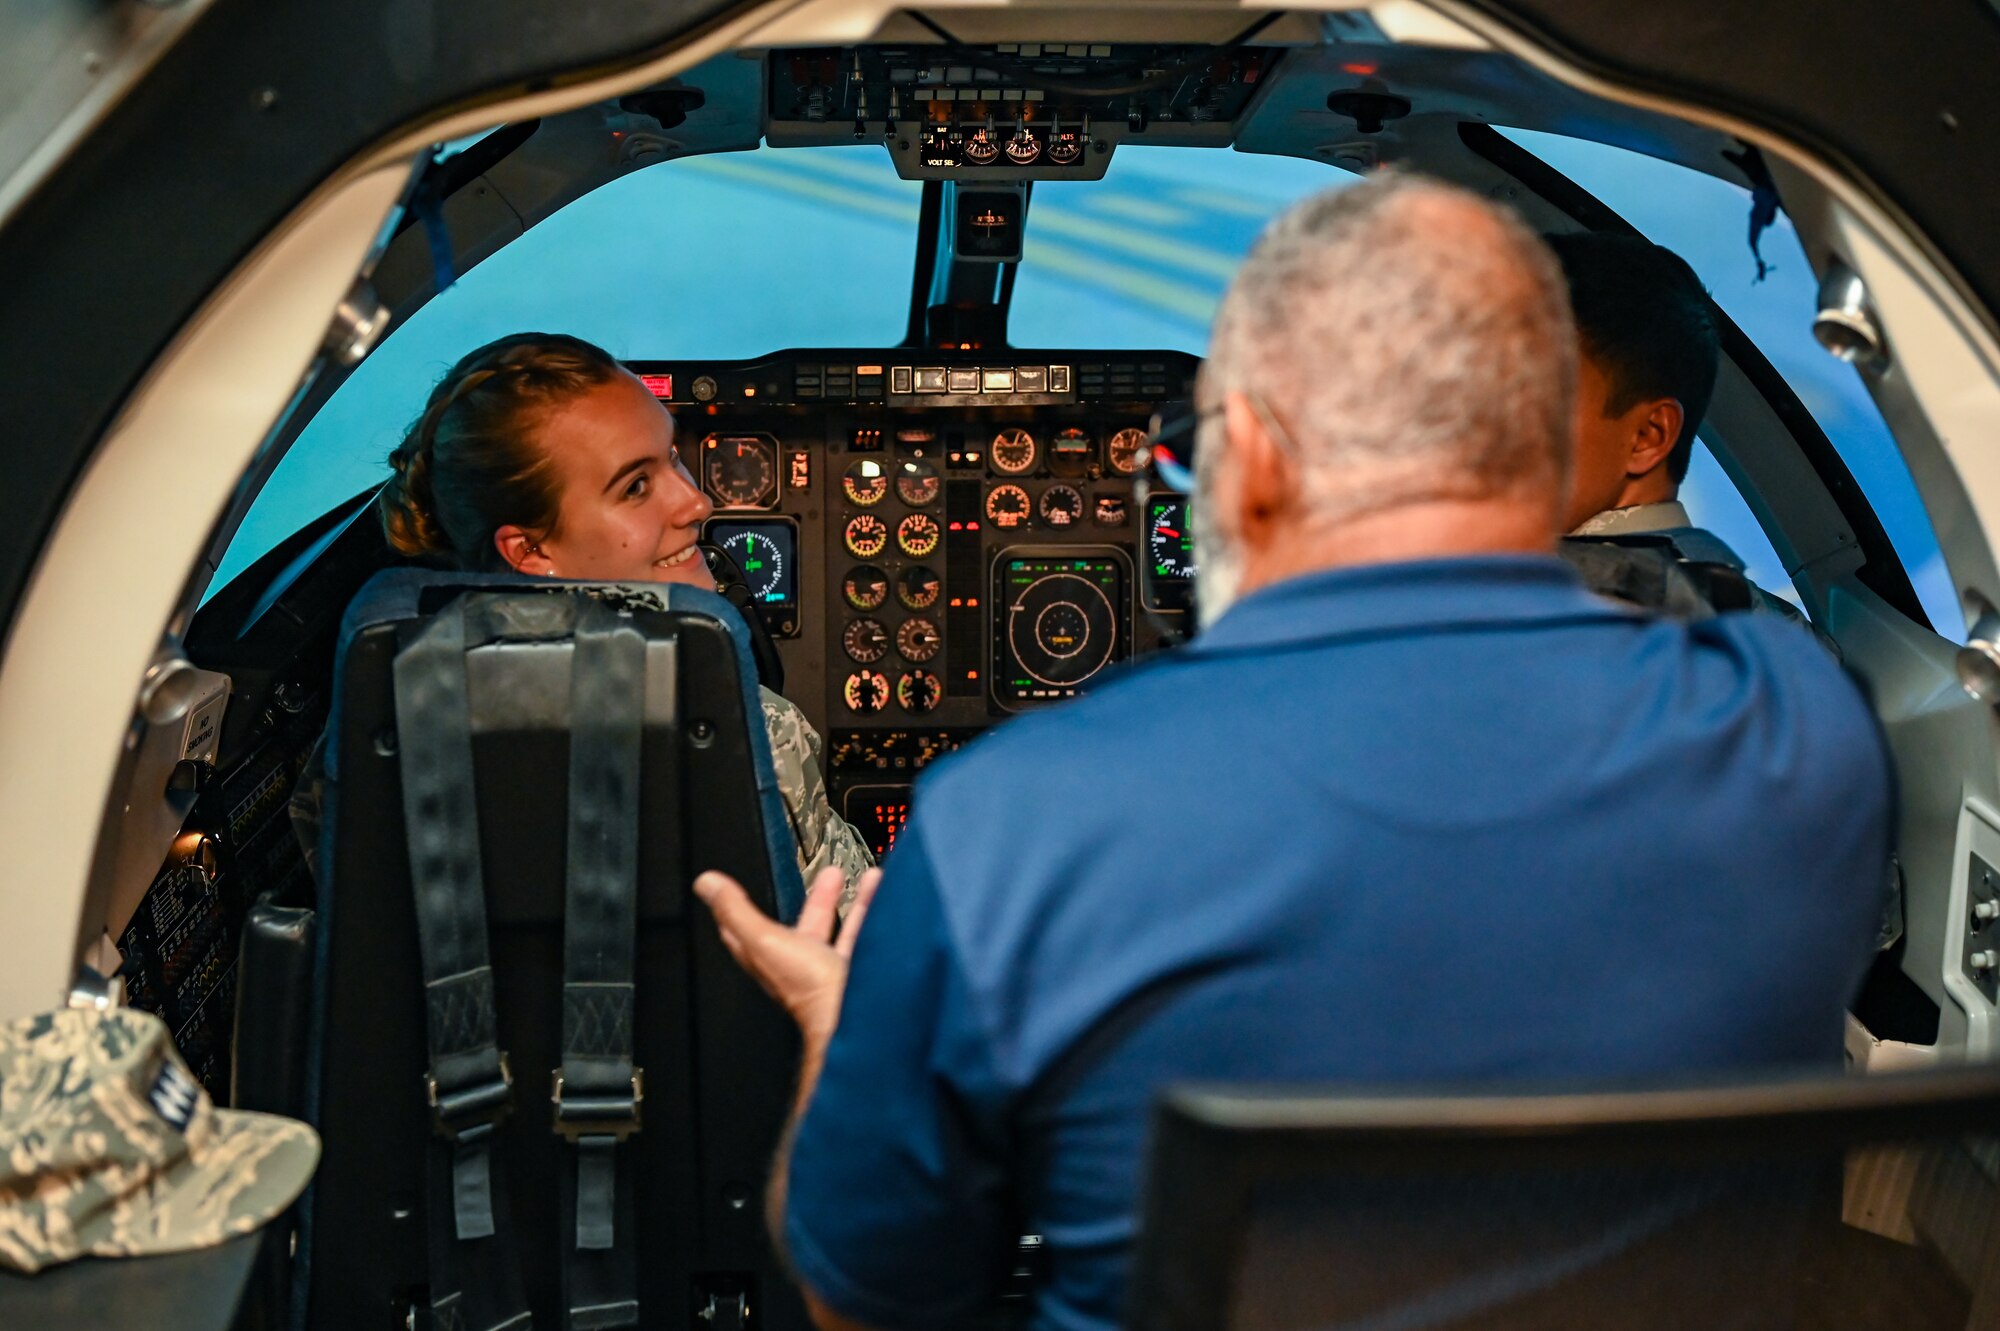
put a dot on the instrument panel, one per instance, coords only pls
(937, 540)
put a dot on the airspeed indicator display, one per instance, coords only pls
(1170, 538)
(1168, 582)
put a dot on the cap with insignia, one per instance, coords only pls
(109, 1146)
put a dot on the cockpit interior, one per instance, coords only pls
(1032, 212)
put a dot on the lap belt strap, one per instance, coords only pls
(475, 1281)
(598, 1090)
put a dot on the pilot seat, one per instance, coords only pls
(546, 1093)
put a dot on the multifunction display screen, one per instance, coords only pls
(1059, 619)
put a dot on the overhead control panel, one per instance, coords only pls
(1013, 111)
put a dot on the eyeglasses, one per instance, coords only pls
(1170, 444)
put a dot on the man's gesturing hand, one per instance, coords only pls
(803, 967)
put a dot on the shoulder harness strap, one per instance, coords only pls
(598, 1090)
(475, 1283)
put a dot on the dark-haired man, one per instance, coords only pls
(1648, 336)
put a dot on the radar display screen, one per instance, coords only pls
(1060, 621)
(766, 549)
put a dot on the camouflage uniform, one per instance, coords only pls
(109, 1147)
(824, 837)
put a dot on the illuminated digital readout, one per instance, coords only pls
(879, 813)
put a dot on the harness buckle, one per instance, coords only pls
(473, 1111)
(613, 1116)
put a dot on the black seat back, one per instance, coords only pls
(718, 1056)
(1281, 1209)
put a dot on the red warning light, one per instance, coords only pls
(659, 385)
(1361, 68)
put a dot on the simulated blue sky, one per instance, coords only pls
(735, 255)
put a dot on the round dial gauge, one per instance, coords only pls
(1071, 453)
(1127, 451)
(866, 536)
(865, 640)
(741, 470)
(1023, 147)
(1062, 506)
(1013, 452)
(1170, 540)
(981, 147)
(760, 559)
(917, 535)
(865, 691)
(917, 483)
(865, 587)
(918, 588)
(1065, 146)
(918, 640)
(1007, 506)
(919, 691)
(865, 482)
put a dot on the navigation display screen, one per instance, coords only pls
(1059, 620)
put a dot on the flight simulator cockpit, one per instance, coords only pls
(924, 294)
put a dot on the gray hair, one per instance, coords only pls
(1412, 340)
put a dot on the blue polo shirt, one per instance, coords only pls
(1427, 822)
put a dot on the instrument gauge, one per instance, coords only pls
(1062, 506)
(980, 147)
(918, 588)
(865, 587)
(917, 483)
(1127, 451)
(1023, 147)
(866, 536)
(917, 535)
(865, 691)
(1071, 452)
(866, 482)
(1170, 538)
(761, 560)
(865, 640)
(919, 691)
(1013, 452)
(1007, 507)
(918, 640)
(741, 470)
(1065, 146)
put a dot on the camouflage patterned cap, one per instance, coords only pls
(108, 1146)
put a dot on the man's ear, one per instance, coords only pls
(1260, 468)
(1653, 441)
(522, 552)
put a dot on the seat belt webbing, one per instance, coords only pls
(475, 1283)
(598, 1090)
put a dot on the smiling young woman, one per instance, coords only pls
(540, 453)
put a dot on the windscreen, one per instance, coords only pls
(727, 255)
